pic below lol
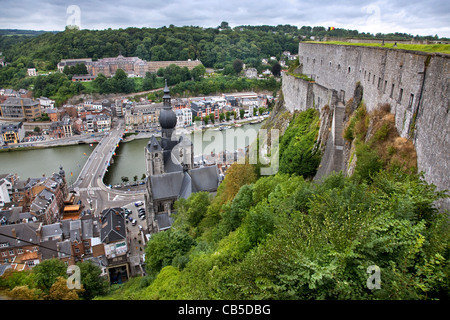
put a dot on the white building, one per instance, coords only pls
(32, 72)
(4, 194)
(103, 123)
(251, 73)
(46, 103)
(184, 117)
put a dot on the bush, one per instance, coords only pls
(297, 153)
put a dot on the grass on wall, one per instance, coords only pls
(441, 48)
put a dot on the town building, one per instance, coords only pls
(72, 63)
(20, 108)
(142, 116)
(184, 117)
(4, 194)
(113, 236)
(46, 103)
(31, 72)
(12, 133)
(133, 66)
(97, 123)
(251, 73)
(21, 255)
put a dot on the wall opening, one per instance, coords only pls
(400, 96)
(392, 90)
(411, 100)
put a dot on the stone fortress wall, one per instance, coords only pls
(415, 84)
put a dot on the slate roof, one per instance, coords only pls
(163, 220)
(153, 145)
(49, 249)
(51, 230)
(205, 178)
(167, 185)
(75, 230)
(64, 249)
(24, 231)
(113, 225)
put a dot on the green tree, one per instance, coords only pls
(276, 69)
(237, 66)
(198, 72)
(164, 247)
(92, 281)
(47, 272)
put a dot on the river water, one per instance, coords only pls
(129, 160)
(40, 162)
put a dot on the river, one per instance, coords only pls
(129, 160)
(39, 162)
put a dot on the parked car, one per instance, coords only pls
(138, 203)
(142, 217)
(133, 223)
(140, 227)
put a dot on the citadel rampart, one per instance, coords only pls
(415, 84)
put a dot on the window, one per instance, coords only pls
(11, 252)
(411, 100)
(349, 69)
(4, 254)
(379, 83)
(373, 81)
(30, 263)
(339, 67)
(400, 96)
(77, 250)
(19, 251)
(385, 85)
(392, 90)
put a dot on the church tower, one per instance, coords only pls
(154, 159)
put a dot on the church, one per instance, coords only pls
(170, 171)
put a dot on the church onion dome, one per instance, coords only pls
(167, 119)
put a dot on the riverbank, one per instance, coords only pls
(62, 142)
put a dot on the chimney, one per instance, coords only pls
(13, 233)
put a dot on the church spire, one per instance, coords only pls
(166, 97)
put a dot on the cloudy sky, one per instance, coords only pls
(425, 17)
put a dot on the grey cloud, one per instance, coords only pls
(411, 16)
